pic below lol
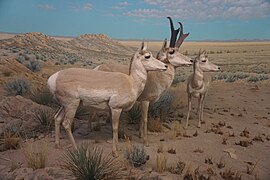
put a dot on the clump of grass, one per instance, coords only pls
(228, 174)
(161, 162)
(178, 79)
(85, 163)
(36, 156)
(45, 118)
(19, 86)
(134, 113)
(10, 140)
(136, 155)
(81, 112)
(221, 163)
(43, 97)
(154, 125)
(178, 169)
(208, 160)
(162, 107)
(261, 77)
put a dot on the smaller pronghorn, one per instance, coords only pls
(199, 81)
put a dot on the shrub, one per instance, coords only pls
(34, 66)
(43, 97)
(45, 118)
(81, 112)
(10, 140)
(20, 59)
(162, 107)
(135, 113)
(261, 77)
(136, 155)
(19, 86)
(36, 157)
(85, 164)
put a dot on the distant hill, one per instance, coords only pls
(84, 50)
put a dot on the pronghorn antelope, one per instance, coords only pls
(100, 90)
(157, 82)
(198, 82)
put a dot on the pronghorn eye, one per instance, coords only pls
(171, 52)
(147, 57)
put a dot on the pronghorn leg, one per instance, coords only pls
(57, 120)
(115, 124)
(201, 99)
(145, 105)
(189, 109)
(69, 116)
(201, 110)
(90, 120)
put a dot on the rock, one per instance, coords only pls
(19, 111)
(21, 173)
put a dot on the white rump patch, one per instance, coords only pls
(52, 82)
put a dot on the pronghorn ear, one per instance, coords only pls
(143, 46)
(164, 45)
(204, 52)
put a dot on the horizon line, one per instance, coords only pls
(155, 40)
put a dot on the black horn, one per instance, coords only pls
(182, 36)
(174, 33)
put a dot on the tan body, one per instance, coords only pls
(100, 90)
(198, 83)
(157, 82)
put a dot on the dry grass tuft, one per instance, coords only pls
(198, 150)
(161, 162)
(154, 125)
(245, 133)
(178, 169)
(36, 155)
(221, 163)
(10, 141)
(228, 174)
(208, 160)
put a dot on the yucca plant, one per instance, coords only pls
(88, 164)
(45, 118)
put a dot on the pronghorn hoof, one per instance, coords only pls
(199, 126)
(109, 141)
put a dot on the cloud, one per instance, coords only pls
(121, 5)
(87, 6)
(46, 7)
(79, 7)
(204, 9)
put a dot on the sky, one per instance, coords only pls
(140, 19)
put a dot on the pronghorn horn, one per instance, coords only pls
(174, 33)
(182, 36)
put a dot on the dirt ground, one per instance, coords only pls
(233, 107)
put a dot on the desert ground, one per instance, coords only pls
(233, 142)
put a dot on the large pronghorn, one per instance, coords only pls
(199, 82)
(100, 90)
(157, 82)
